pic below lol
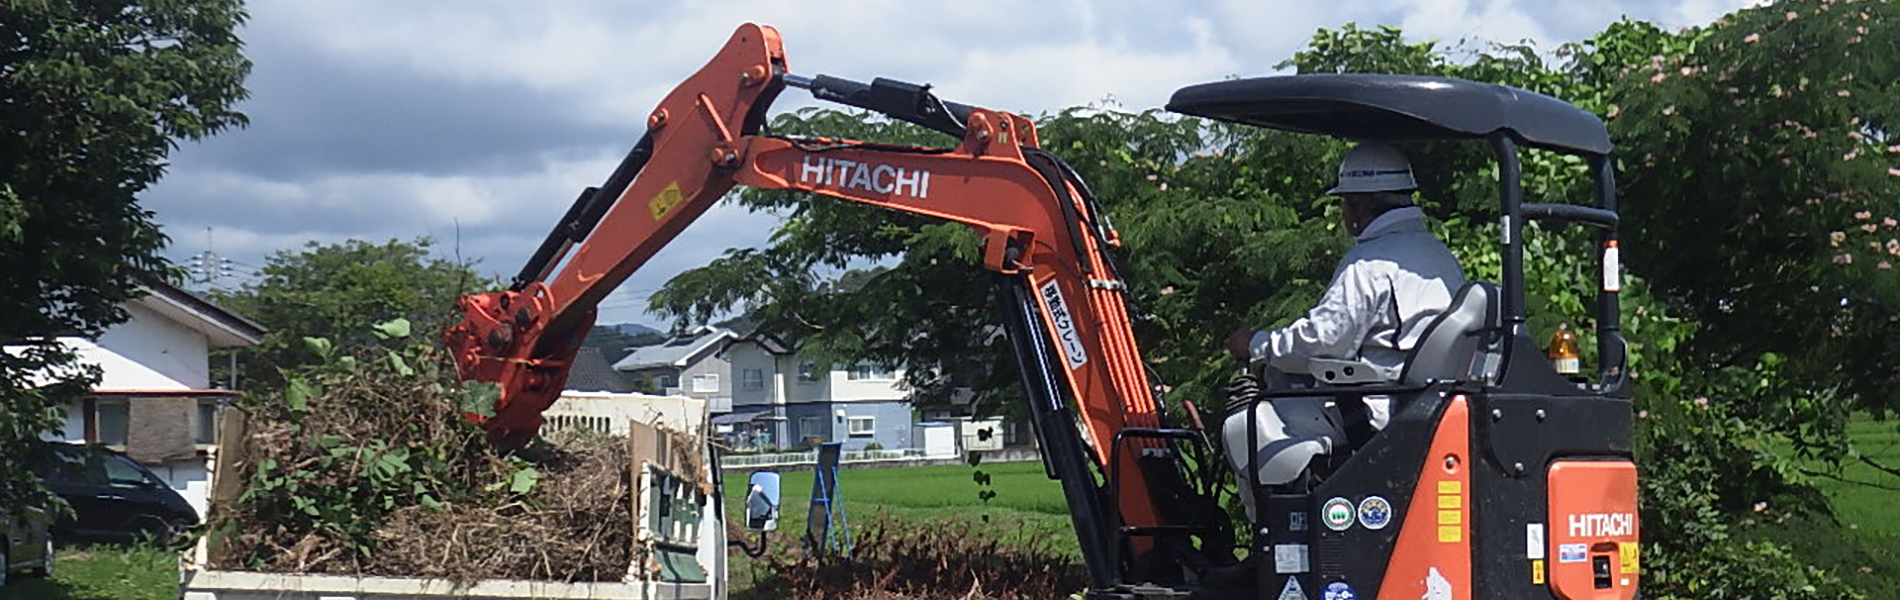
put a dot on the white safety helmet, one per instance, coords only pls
(1374, 167)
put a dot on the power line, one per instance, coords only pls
(208, 269)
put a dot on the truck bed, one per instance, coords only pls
(242, 585)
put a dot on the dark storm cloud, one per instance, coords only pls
(481, 120)
(313, 113)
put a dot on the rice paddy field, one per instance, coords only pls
(1026, 502)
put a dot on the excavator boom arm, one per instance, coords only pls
(525, 338)
(1043, 238)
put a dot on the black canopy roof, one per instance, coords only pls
(1396, 107)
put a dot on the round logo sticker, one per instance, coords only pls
(1375, 512)
(1338, 590)
(1337, 514)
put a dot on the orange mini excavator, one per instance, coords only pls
(1496, 477)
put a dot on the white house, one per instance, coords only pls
(685, 365)
(155, 399)
(782, 399)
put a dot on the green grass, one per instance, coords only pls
(1869, 509)
(1028, 507)
(1863, 549)
(103, 573)
(1026, 501)
(1865, 504)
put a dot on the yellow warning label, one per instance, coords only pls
(668, 198)
(1451, 516)
(1450, 533)
(1630, 563)
(1537, 571)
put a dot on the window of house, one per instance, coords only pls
(752, 379)
(207, 424)
(668, 381)
(861, 425)
(807, 372)
(113, 418)
(867, 371)
(812, 427)
(706, 382)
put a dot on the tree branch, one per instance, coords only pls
(1869, 461)
(1834, 477)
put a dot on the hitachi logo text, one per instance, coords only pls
(869, 177)
(1602, 525)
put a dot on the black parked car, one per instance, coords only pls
(113, 497)
(26, 544)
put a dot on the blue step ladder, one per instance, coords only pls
(827, 529)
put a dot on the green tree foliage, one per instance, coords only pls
(93, 96)
(337, 291)
(1765, 188)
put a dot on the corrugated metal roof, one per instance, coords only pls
(676, 352)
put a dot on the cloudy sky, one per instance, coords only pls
(480, 120)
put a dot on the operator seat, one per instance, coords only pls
(1291, 431)
(1454, 345)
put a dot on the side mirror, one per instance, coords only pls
(761, 502)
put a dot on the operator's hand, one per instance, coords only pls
(1240, 342)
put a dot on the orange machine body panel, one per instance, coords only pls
(1593, 541)
(1432, 556)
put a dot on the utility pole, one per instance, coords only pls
(207, 269)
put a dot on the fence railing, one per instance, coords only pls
(810, 457)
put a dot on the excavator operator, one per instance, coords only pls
(1393, 281)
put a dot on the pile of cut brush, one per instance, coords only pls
(365, 465)
(893, 559)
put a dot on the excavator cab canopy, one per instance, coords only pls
(1397, 108)
(1503, 471)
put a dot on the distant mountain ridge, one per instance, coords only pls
(634, 329)
(615, 339)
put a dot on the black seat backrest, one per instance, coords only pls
(1456, 344)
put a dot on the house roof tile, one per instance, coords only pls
(678, 351)
(591, 373)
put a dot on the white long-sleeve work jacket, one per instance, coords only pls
(1393, 281)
